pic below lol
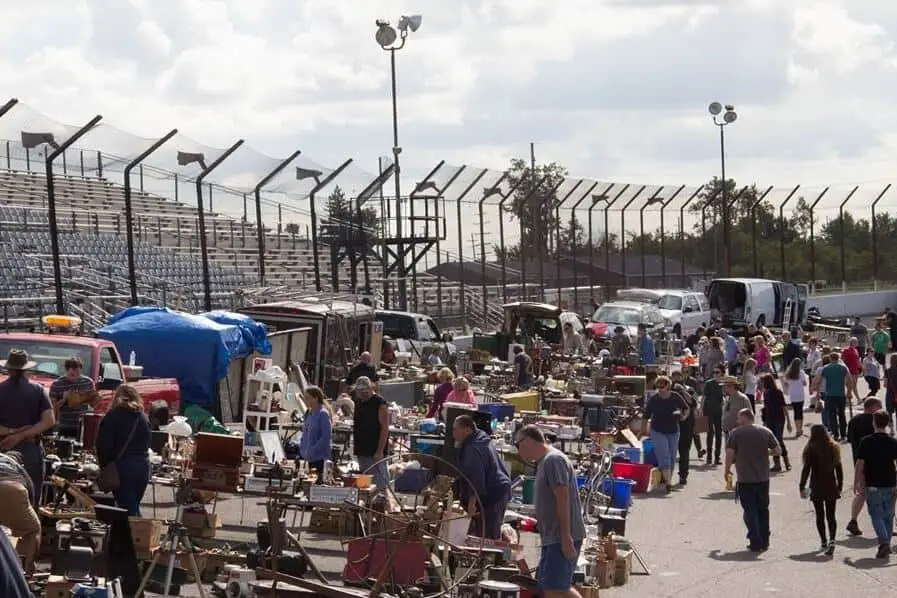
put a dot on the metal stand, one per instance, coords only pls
(176, 538)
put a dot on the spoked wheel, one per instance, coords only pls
(411, 527)
(594, 497)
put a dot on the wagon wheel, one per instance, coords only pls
(419, 515)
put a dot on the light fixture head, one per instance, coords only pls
(654, 200)
(730, 116)
(490, 191)
(307, 173)
(185, 158)
(386, 35)
(410, 23)
(596, 198)
(715, 108)
(32, 140)
(424, 185)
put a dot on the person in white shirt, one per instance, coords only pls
(795, 385)
(749, 380)
(573, 344)
(872, 372)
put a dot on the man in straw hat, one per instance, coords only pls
(735, 402)
(370, 431)
(25, 414)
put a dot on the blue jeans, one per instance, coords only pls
(754, 499)
(134, 476)
(777, 427)
(880, 502)
(380, 473)
(665, 448)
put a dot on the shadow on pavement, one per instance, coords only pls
(858, 542)
(811, 557)
(868, 563)
(741, 556)
(723, 495)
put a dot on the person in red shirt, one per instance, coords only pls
(851, 358)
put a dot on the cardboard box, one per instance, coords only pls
(622, 567)
(201, 524)
(587, 591)
(146, 534)
(603, 572)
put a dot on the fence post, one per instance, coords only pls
(623, 264)
(574, 248)
(754, 207)
(663, 254)
(655, 198)
(843, 252)
(875, 238)
(782, 230)
(557, 236)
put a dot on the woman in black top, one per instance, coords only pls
(822, 466)
(776, 417)
(124, 439)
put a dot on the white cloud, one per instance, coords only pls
(613, 89)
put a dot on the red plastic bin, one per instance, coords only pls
(637, 472)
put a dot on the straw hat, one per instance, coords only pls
(17, 360)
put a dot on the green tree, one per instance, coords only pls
(533, 204)
(351, 233)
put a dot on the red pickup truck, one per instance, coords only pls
(101, 362)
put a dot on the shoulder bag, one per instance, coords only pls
(108, 479)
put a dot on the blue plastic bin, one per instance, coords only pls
(648, 456)
(630, 453)
(499, 411)
(619, 490)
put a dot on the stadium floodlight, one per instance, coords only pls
(186, 158)
(424, 185)
(490, 191)
(33, 140)
(308, 173)
(729, 116)
(411, 23)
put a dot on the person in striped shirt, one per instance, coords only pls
(63, 393)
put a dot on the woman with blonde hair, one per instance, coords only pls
(461, 393)
(440, 395)
(317, 431)
(123, 440)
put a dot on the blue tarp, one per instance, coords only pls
(254, 333)
(194, 349)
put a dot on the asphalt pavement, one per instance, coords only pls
(693, 541)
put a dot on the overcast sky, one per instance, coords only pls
(612, 89)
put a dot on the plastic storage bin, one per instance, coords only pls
(648, 456)
(637, 472)
(499, 411)
(630, 453)
(619, 490)
(427, 446)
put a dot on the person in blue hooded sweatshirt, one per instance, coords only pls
(646, 346)
(317, 432)
(487, 475)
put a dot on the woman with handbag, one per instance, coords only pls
(122, 446)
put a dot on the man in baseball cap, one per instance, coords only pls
(370, 431)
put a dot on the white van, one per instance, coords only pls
(738, 302)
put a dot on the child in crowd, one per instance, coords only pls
(872, 372)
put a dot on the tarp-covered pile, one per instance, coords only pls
(195, 349)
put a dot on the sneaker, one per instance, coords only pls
(717, 461)
(683, 481)
(883, 552)
(854, 529)
(830, 548)
(702, 453)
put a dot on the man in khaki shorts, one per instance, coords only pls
(18, 514)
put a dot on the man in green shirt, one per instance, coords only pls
(881, 341)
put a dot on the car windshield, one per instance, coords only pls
(670, 302)
(49, 357)
(616, 314)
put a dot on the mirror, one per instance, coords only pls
(110, 377)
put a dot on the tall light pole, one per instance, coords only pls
(722, 117)
(392, 41)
